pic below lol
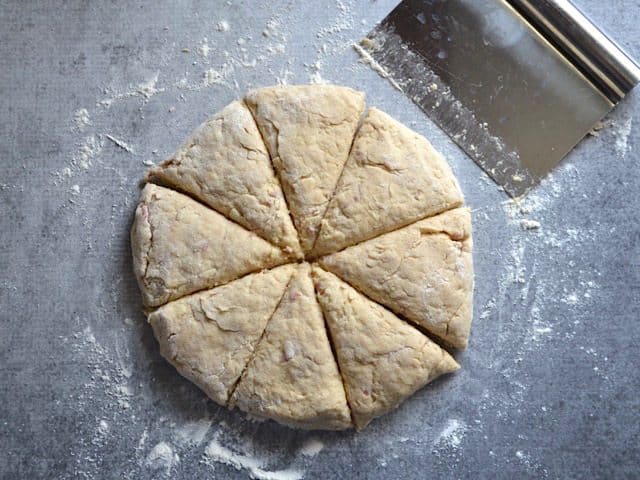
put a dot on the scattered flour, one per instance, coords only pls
(527, 224)
(219, 77)
(367, 59)
(452, 434)
(223, 26)
(316, 77)
(526, 460)
(148, 89)
(343, 22)
(81, 119)
(539, 328)
(283, 77)
(215, 452)
(162, 456)
(311, 447)
(143, 440)
(192, 433)
(273, 28)
(622, 134)
(106, 388)
(87, 152)
(108, 376)
(204, 48)
(211, 77)
(123, 145)
(103, 427)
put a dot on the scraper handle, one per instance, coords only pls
(598, 57)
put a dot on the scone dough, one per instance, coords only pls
(225, 164)
(284, 177)
(293, 377)
(210, 336)
(382, 359)
(180, 246)
(393, 177)
(423, 272)
(308, 130)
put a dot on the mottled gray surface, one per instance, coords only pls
(550, 385)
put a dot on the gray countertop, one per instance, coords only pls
(550, 386)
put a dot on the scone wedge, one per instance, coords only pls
(209, 336)
(423, 272)
(308, 130)
(383, 360)
(393, 177)
(180, 246)
(293, 377)
(225, 165)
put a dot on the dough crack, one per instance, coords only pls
(262, 335)
(337, 185)
(335, 355)
(275, 170)
(146, 214)
(427, 333)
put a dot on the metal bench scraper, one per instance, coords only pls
(515, 83)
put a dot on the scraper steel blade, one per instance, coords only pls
(502, 92)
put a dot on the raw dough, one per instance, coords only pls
(423, 272)
(308, 130)
(393, 177)
(210, 336)
(244, 320)
(382, 359)
(293, 377)
(180, 246)
(226, 165)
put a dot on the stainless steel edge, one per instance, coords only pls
(598, 57)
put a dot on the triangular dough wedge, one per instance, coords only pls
(293, 377)
(225, 165)
(308, 130)
(383, 360)
(393, 177)
(180, 246)
(423, 272)
(209, 336)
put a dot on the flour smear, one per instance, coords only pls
(452, 434)
(163, 457)
(622, 134)
(254, 467)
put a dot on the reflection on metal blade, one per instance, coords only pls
(497, 86)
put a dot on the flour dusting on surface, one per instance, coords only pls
(204, 48)
(311, 447)
(120, 143)
(621, 134)
(367, 59)
(223, 26)
(215, 452)
(87, 152)
(452, 434)
(148, 89)
(528, 224)
(214, 77)
(343, 22)
(193, 433)
(163, 457)
(81, 119)
(145, 89)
